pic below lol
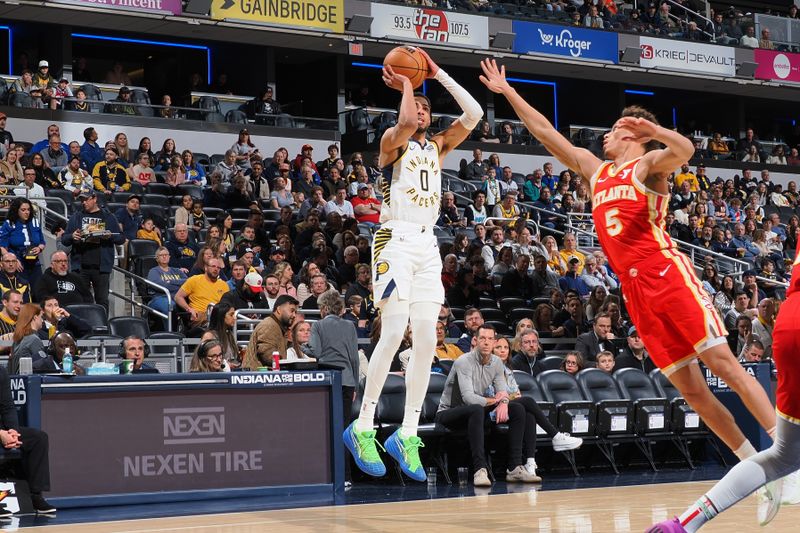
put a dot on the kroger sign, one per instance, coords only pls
(570, 41)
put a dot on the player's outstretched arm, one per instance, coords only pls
(459, 130)
(578, 159)
(678, 149)
(394, 139)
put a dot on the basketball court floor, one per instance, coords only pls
(597, 503)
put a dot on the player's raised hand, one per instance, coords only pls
(393, 79)
(433, 68)
(494, 78)
(642, 130)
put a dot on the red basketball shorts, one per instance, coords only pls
(786, 353)
(672, 312)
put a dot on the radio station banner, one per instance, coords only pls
(313, 14)
(429, 24)
(688, 56)
(777, 66)
(574, 42)
(143, 6)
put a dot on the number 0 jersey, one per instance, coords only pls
(628, 217)
(412, 185)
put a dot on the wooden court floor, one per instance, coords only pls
(601, 510)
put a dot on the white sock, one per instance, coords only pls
(745, 450)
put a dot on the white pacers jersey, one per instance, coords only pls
(412, 186)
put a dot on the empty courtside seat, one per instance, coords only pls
(552, 362)
(683, 418)
(391, 405)
(576, 415)
(651, 410)
(614, 412)
(529, 388)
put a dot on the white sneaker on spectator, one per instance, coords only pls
(563, 442)
(530, 465)
(521, 474)
(481, 478)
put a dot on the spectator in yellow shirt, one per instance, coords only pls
(686, 175)
(445, 350)
(202, 290)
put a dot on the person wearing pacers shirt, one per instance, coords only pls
(68, 287)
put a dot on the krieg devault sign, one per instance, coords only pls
(688, 56)
(316, 14)
(145, 6)
(428, 24)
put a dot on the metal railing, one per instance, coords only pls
(133, 279)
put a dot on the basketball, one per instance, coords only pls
(407, 60)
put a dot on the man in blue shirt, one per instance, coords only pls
(91, 152)
(129, 217)
(571, 280)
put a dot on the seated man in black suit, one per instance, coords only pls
(35, 462)
(593, 342)
(527, 359)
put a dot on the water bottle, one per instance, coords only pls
(66, 362)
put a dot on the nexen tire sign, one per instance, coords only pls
(688, 56)
(428, 24)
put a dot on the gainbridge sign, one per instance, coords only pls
(427, 24)
(311, 14)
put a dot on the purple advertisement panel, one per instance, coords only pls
(143, 6)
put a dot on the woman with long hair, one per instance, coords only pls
(244, 149)
(554, 259)
(22, 236)
(304, 286)
(26, 336)
(723, 299)
(176, 173)
(710, 279)
(125, 153)
(596, 298)
(299, 336)
(221, 322)
(11, 171)
(283, 271)
(195, 173)
(543, 320)
(225, 222)
(164, 157)
(184, 210)
(525, 324)
(207, 357)
(145, 147)
(533, 413)
(503, 264)
(44, 174)
(203, 256)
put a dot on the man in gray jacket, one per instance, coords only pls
(475, 387)
(335, 345)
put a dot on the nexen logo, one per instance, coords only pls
(565, 40)
(272, 378)
(194, 425)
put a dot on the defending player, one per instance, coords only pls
(783, 457)
(671, 311)
(406, 266)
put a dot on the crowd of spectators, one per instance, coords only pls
(732, 26)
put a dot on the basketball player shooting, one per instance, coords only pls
(406, 266)
(672, 312)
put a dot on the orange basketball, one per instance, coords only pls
(407, 61)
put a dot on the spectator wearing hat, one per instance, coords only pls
(129, 217)
(635, 355)
(340, 204)
(247, 294)
(367, 209)
(269, 335)
(92, 233)
(305, 152)
(572, 280)
(43, 80)
(263, 104)
(109, 176)
(244, 149)
(276, 255)
(702, 180)
(121, 105)
(60, 91)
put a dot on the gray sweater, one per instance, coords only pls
(468, 380)
(334, 343)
